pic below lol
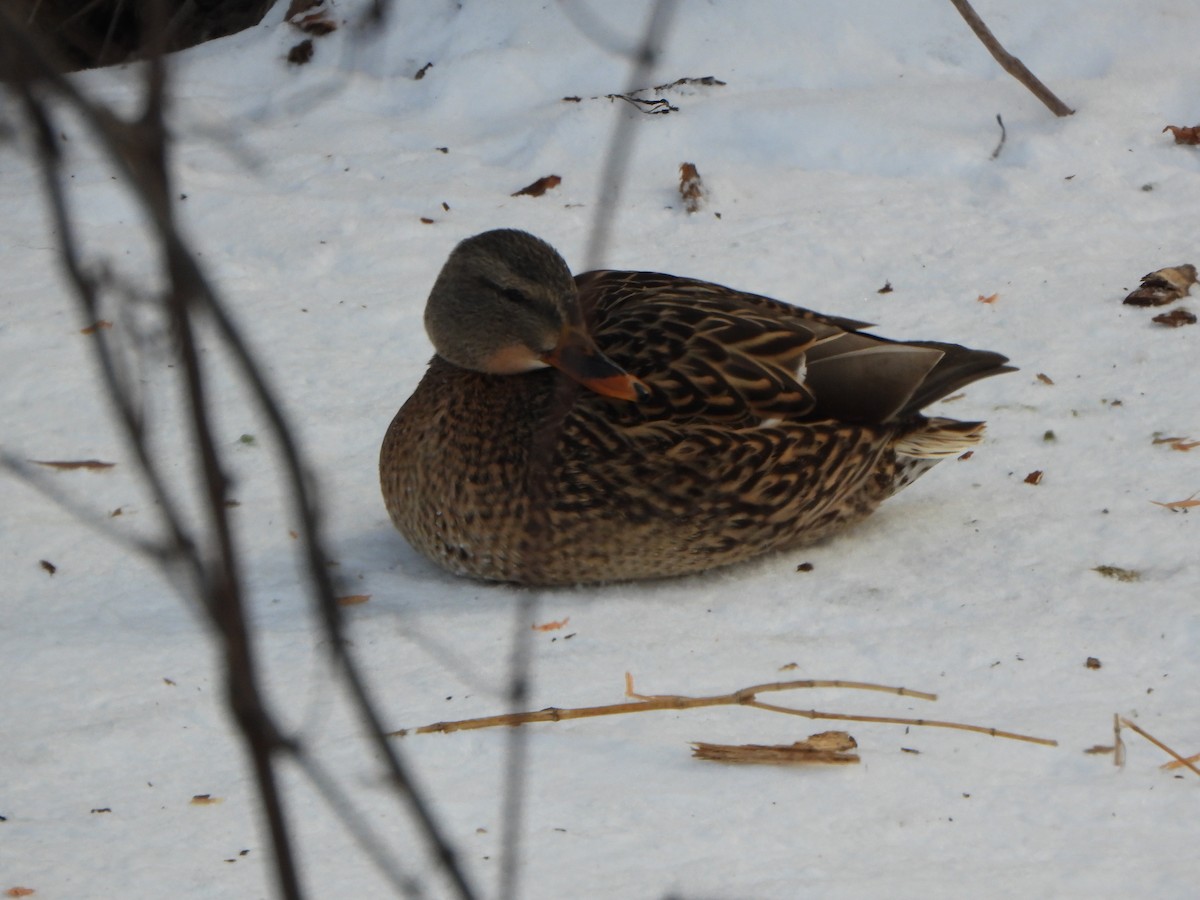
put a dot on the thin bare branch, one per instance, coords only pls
(1179, 758)
(139, 148)
(1180, 763)
(517, 752)
(1010, 63)
(896, 720)
(616, 159)
(743, 697)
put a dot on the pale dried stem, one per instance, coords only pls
(1118, 742)
(894, 720)
(1179, 764)
(744, 697)
(1180, 759)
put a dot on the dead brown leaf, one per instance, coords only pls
(1187, 134)
(353, 599)
(1034, 477)
(301, 53)
(317, 23)
(309, 17)
(67, 464)
(205, 800)
(552, 626)
(1163, 286)
(1116, 572)
(1044, 379)
(992, 298)
(691, 188)
(539, 187)
(296, 7)
(96, 326)
(19, 892)
(1175, 318)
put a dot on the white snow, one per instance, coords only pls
(851, 145)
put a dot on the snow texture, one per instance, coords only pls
(851, 145)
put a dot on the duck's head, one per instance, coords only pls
(505, 303)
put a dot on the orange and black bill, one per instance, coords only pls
(578, 357)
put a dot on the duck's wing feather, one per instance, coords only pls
(710, 353)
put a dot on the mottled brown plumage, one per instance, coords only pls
(703, 426)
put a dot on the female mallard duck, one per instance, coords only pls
(621, 425)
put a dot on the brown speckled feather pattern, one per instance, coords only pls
(535, 479)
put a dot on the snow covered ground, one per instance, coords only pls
(851, 145)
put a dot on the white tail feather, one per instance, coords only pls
(940, 438)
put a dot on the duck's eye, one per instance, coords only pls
(513, 295)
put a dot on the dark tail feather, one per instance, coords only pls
(861, 378)
(956, 369)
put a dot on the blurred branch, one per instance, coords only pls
(520, 675)
(1010, 63)
(544, 447)
(616, 158)
(214, 580)
(209, 554)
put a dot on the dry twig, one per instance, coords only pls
(1003, 136)
(1179, 759)
(1010, 63)
(745, 697)
(1177, 505)
(1179, 764)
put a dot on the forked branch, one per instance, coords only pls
(747, 696)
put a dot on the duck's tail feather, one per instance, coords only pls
(958, 367)
(939, 438)
(861, 378)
